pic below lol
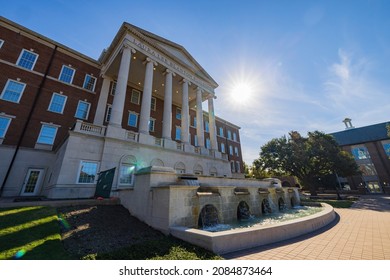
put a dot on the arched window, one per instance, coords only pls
(127, 169)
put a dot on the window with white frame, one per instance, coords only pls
(178, 133)
(27, 59)
(47, 134)
(82, 110)
(206, 126)
(230, 149)
(235, 136)
(223, 148)
(13, 91)
(87, 172)
(113, 88)
(108, 114)
(208, 144)
(196, 140)
(236, 151)
(238, 168)
(1, 43)
(133, 119)
(126, 173)
(67, 74)
(229, 135)
(89, 82)
(232, 167)
(152, 123)
(57, 103)
(153, 104)
(178, 113)
(221, 131)
(135, 96)
(4, 124)
(194, 123)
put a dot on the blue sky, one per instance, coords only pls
(306, 64)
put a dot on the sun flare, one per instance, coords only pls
(242, 92)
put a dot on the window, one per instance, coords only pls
(386, 148)
(360, 153)
(135, 96)
(82, 110)
(66, 74)
(1, 43)
(234, 136)
(4, 124)
(194, 122)
(133, 118)
(27, 59)
(223, 148)
(152, 123)
(13, 91)
(89, 82)
(196, 141)
(113, 88)
(108, 114)
(208, 145)
(153, 104)
(57, 103)
(238, 168)
(229, 135)
(87, 173)
(236, 150)
(47, 134)
(178, 113)
(178, 133)
(221, 131)
(126, 173)
(230, 149)
(206, 126)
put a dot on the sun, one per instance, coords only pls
(241, 92)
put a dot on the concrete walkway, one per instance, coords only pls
(361, 232)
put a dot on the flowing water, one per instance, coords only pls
(267, 218)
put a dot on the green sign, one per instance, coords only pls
(104, 183)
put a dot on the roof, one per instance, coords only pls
(371, 133)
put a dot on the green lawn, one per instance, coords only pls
(34, 233)
(30, 233)
(334, 203)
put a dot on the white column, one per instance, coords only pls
(146, 97)
(102, 104)
(199, 118)
(167, 114)
(212, 127)
(185, 113)
(121, 86)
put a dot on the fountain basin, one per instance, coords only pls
(243, 238)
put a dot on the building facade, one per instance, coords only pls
(370, 147)
(65, 117)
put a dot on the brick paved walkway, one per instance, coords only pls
(361, 232)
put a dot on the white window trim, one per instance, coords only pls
(139, 96)
(113, 86)
(152, 120)
(1, 43)
(123, 185)
(89, 107)
(236, 151)
(231, 150)
(85, 79)
(79, 170)
(9, 123)
(63, 107)
(177, 138)
(136, 121)
(106, 117)
(178, 109)
(55, 134)
(153, 108)
(20, 57)
(62, 69)
(5, 87)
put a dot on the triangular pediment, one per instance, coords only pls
(177, 52)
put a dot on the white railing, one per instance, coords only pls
(159, 142)
(180, 146)
(131, 135)
(89, 128)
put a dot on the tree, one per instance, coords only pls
(307, 158)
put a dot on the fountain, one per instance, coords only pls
(184, 205)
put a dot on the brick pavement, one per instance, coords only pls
(361, 232)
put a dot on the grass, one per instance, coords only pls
(34, 233)
(31, 233)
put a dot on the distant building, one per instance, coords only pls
(370, 147)
(65, 117)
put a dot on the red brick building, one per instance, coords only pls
(64, 116)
